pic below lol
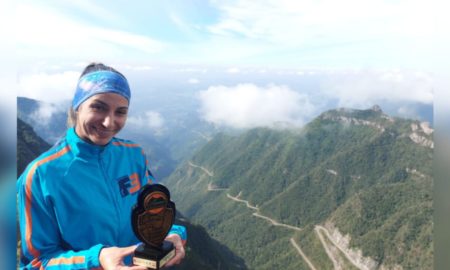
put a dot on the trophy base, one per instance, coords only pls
(153, 258)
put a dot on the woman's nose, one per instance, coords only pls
(108, 121)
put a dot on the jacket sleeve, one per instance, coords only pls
(181, 231)
(41, 244)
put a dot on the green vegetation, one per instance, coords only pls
(357, 169)
(339, 256)
(203, 252)
(312, 247)
(29, 145)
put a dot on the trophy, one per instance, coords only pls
(151, 219)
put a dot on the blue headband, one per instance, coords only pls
(102, 81)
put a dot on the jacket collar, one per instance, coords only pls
(83, 148)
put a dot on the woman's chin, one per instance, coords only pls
(100, 140)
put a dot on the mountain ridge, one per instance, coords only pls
(304, 177)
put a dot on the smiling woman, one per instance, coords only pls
(97, 78)
(75, 200)
(101, 117)
(100, 106)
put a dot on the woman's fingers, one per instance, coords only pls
(111, 258)
(179, 249)
(128, 250)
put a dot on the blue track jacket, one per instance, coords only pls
(77, 198)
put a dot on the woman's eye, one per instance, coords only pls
(98, 107)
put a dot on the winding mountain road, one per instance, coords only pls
(242, 201)
(336, 264)
(201, 168)
(276, 223)
(211, 187)
(297, 247)
(256, 214)
(355, 263)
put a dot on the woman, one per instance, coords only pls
(75, 200)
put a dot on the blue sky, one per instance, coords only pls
(321, 54)
(283, 33)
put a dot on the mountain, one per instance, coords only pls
(202, 252)
(351, 189)
(47, 119)
(29, 145)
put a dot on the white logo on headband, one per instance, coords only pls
(86, 85)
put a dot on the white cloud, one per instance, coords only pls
(138, 67)
(45, 112)
(52, 88)
(233, 70)
(343, 33)
(266, 32)
(94, 10)
(364, 89)
(183, 25)
(193, 81)
(248, 105)
(44, 31)
(151, 120)
(408, 112)
(274, 20)
(191, 70)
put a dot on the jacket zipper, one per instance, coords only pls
(108, 183)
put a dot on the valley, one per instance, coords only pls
(319, 230)
(350, 190)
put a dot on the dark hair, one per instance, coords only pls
(92, 67)
(96, 67)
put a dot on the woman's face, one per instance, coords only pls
(101, 117)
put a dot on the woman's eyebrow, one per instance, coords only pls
(101, 102)
(106, 104)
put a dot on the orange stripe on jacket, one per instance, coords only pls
(125, 144)
(72, 260)
(28, 198)
(36, 263)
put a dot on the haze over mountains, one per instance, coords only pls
(183, 132)
(351, 189)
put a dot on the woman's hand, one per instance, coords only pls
(111, 258)
(179, 249)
